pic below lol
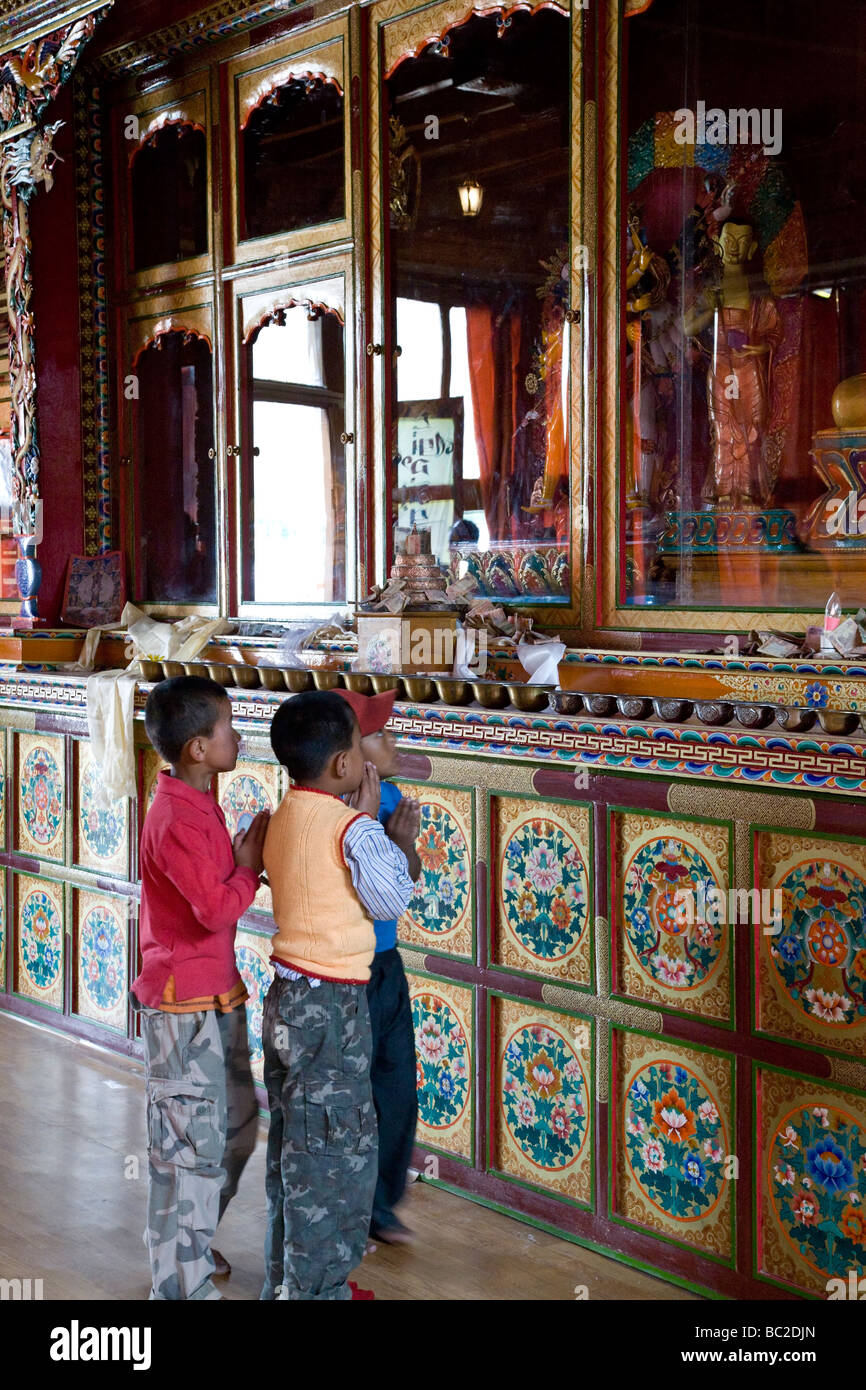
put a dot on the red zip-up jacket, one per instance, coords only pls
(192, 895)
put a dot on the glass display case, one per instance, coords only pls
(475, 122)
(731, 482)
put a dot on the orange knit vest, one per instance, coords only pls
(321, 926)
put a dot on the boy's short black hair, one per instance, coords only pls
(182, 708)
(308, 730)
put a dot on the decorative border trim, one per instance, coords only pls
(213, 22)
(769, 760)
(92, 316)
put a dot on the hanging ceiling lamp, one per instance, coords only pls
(471, 196)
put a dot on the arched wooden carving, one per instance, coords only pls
(30, 77)
(162, 330)
(408, 37)
(276, 313)
(274, 81)
(164, 121)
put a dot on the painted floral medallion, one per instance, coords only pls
(816, 1175)
(103, 827)
(671, 1139)
(545, 1096)
(675, 1140)
(811, 1198)
(442, 1065)
(102, 949)
(440, 916)
(820, 956)
(41, 796)
(252, 787)
(41, 941)
(242, 800)
(671, 907)
(543, 889)
(673, 947)
(442, 1017)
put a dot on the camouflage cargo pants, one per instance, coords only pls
(322, 1158)
(202, 1119)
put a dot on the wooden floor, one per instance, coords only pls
(72, 1208)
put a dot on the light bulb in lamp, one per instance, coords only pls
(471, 197)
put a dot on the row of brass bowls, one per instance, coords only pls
(712, 712)
(419, 689)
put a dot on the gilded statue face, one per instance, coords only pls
(737, 243)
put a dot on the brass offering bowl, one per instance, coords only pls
(490, 694)
(454, 692)
(272, 678)
(245, 677)
(530, 698)
(359, 682)
(297, 679)
(383, 683)
(151, 670)
(173, 668)
(220, 672)
(327, 680)
(420, 688)
(838, 721)
(195, 668)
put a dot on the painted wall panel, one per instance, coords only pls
(40, 919)
(811, 1182)
(250, 788)
(101, 958)
(661, 956)
(812, 974)
(542, 888)
(542, 1101)
(672, 1123)
(102, 830)
(252, 953)
(443, 1016)
(41, 796)
(440, 915)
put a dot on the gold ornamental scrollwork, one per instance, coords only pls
(25, 164)
(732, 803)
(409, 34)
(414, 961)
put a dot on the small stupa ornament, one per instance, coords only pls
(416, 569)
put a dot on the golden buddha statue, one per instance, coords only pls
(747, 327)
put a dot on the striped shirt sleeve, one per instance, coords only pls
(380, 872)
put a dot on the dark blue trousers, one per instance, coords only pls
(392, 1074)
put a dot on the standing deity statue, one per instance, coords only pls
(747, 328)
(652, 361)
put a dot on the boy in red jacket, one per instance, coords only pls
(195, 884)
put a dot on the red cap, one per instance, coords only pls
(373, 711)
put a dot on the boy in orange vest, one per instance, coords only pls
(332, 870)
(392, 1069)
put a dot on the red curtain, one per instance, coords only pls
(494, 341)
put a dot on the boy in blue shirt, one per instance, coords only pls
(392, 1070)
